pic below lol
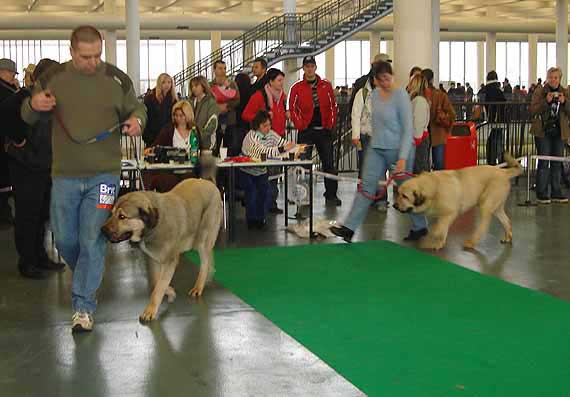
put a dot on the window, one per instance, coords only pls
(444, 61)
(471, 63)
(351, 60)
(457, 61)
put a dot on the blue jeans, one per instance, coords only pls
(364, 141)
(79, 207)
(438, 154)
(549, 172)
(376, 163)
(257, 196)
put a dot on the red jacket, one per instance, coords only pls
(301, 104)
(257, 103)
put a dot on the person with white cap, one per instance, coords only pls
(28, 71)
(360, 118)
(8, 86)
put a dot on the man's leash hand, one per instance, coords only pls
(43, 101)
(132, 127)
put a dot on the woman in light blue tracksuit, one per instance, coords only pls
(391, 144)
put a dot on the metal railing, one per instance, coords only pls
(290, 36)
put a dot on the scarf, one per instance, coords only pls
(272, 93)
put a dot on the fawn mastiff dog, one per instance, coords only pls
(166, 225)
(447, 194)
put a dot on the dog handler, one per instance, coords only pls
(85, 97)
(390, 144)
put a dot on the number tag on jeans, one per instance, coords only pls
(106, 196)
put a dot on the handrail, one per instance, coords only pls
(286, 34)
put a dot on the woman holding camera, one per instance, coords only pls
(550, 110)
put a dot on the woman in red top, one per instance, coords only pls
(272, 99)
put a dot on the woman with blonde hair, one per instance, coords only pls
(205, 111)
(417, 88)
(159, 102)
(176, 133)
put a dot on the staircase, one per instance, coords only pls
(290, 36)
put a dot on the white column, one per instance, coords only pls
(110, 35)
(412, 37)
(248, 52)
(375, 38)
(562, 38)
(133, 43)
(480, 65)
(491, 49)
(190, 52)
(532, 58)
(435, 15)
(111, 46)
(329, 65)
(289, 6)
(390, 48)
(291, 67)
(216, 38)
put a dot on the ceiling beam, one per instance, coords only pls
(164, 7)
(98, 6)
(32, 5)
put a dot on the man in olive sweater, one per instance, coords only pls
(84, 97)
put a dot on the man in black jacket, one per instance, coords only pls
(29, 150)
(8, 86)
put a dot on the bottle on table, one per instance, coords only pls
(193, 147)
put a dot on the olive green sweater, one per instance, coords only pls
(88, 105)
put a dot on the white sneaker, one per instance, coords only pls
(82, 322)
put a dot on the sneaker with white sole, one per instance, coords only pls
(559, 199)
(82, 322)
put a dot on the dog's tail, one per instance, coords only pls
(513, 166)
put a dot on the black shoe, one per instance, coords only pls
(260, 225)
(275, 210)
(333, 201)
(47, 264)
(415, 235)
(343, 232)
(33, 272)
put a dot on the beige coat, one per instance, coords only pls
(538, 107)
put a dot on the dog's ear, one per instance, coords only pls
(419, 199)
(149, 217)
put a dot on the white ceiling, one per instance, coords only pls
(511, 10)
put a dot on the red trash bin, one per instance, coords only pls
(461, 146)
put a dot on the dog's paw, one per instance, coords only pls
(468, 244)
(507, 241)
(196, 291)
(430, 243)
(170, 294)
(149, 314)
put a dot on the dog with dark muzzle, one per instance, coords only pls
(186, 218)
(447, 194)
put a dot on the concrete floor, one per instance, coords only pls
(218, 345)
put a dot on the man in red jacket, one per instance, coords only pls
(313, 111)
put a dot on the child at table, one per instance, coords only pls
(253, 180)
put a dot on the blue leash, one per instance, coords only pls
(96, 138)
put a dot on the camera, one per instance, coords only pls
(166, 154)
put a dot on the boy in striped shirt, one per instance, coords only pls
(253, 180)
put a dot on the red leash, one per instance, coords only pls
(383, 192)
